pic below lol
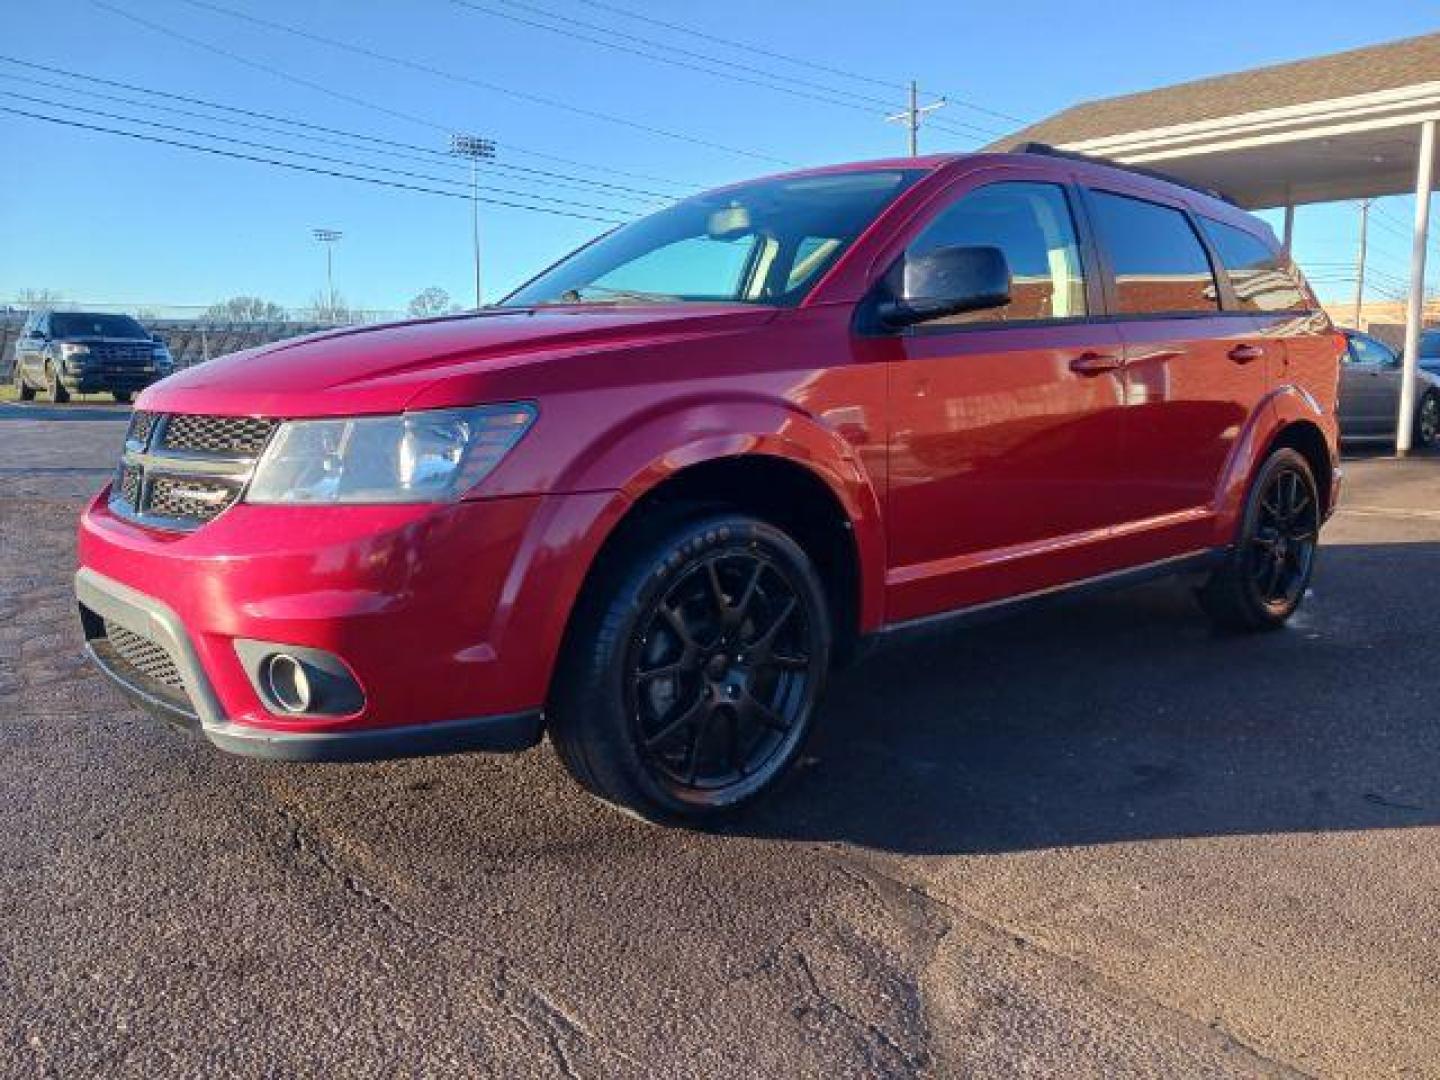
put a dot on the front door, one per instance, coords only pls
(1005, 424)
(1370, 380)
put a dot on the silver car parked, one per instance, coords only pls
(1370, 381)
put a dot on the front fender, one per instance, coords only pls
(636, 455)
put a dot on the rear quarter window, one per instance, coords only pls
(1262, 278)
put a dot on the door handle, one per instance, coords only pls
(1244, 354)
(1094, 363)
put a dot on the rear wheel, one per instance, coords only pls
(1427, 420)
(1265, 576)
(58, 394)
(694, 668)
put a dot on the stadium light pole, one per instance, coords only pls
(329, 237)
(475, 150)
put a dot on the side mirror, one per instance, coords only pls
(948, 281)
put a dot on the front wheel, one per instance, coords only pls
(1427, 420)
(693, 671)
(1265, 576)
(23, 390)
(58, 394)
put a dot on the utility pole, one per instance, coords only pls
(1360, 262)
(913, 116)
(475, 150)
(329, 237)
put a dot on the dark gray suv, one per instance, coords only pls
(77, 352)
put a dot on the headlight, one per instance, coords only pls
(70, 351)
(162, 358)
(415, 457)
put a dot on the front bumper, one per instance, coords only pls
(448, 618)
(97, 382)
(194, 706)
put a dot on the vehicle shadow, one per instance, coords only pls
(1125, 717)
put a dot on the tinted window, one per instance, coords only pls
(1262, 279)
(1430, 344)
(1031, 224)
(1159, 263)
(73, 324)
(765, 242)
(1367, 350)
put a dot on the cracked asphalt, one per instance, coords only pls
(1094, 841)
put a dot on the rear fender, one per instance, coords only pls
(1282, 407)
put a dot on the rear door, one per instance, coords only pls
(1194, 372)
(1005, 423)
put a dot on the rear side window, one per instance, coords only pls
(1262, 279)
(1159, 263)
(1031, 224)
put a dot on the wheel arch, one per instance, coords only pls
(1288, 416)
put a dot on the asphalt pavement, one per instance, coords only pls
(1098, 840)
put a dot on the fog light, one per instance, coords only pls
(288, 683)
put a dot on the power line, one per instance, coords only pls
(296, 165)
(321, 88)
(857, 102)
(437, 72)
(889, 84)
(382, 146)
(103, 114)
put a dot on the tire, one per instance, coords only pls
(1427, 420)
(23, 390)
(689, 679)
(58, 394)
(121, 396)
(1265, 575)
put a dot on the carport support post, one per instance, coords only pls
(1424, 184)
(1289, 225)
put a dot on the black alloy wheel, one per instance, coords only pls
(693, 670)
(1283, 541)
(1264, 577)
(719, 674)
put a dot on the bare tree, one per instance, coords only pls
(245, 309)
(330, 308)
(33, 299)
(432, 301)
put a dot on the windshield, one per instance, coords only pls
(768, 242)
(74, 324)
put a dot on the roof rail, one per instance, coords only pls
(1154, 174)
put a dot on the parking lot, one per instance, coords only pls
(1097, 840)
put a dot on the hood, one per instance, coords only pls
(387, 367)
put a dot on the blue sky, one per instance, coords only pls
(102, 218)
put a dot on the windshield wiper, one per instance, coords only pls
(577, 296)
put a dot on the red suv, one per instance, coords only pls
(646, 502)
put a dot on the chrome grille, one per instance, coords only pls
(130, 484)
(146, 657)
(240, 436)
(141, 425)
(181, 470)
(123, 353)
(190, 497)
